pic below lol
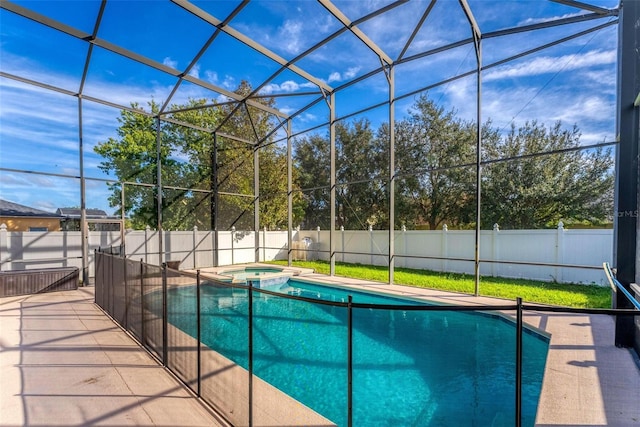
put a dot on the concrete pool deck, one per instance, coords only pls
(64, 362)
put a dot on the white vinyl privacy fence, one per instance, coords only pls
(561, 255)
(565, 256)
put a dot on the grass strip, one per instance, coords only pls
(533, 291)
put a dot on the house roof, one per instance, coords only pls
(75, 213)
(10, 209)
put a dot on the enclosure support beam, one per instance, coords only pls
(123, 215)
(626, 222)
(478, 167)
(215, 199)
(159, 189)
(332, 174)
(84, 232)
(289, 192)
(84, 228)
(256, 202)
(223, 26)
(477, 41)
(392, 172)
(337, 13)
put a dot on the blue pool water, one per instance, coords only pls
(422, 368)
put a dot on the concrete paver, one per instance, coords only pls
(63, 362)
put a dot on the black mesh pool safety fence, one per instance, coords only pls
(346, 362)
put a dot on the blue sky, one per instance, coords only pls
(574, 82)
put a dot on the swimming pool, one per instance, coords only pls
(426, 368)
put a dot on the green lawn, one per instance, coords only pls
(591, 296)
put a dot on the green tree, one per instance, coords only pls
(189, 165)
(434, 156)
(311, 160)
(131, 157)
(538, 189)
(548, 179)
(361, 176)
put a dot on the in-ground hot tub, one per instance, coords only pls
(260, 275)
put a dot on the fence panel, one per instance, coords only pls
(353, 246)
(182, 325)
(100, 281)
(119, 303)
(225, 350)
(178, 246)
(26, 250)
(203, 244)
(152, 300)
(134, 298)
(225, 249)
(437, 250)
(273, 245)
(309, 341)
(244, 247)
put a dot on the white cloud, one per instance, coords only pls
(593, 111)
(350, 73)
(46, 205)
(122, 93)
(43, 181)
(211, 77)
(195, 71)
(586, 108)
(551, 64)
(229, 82)
(593, 114)
(308, 118)
(9, 179)
(325, 24)
(603, 78)
(170, 63)
(334, 77)
(288, 86)
(222, 98)
(531, 21)
(338, 77)
(269, 89)
(291, 32)
(288, 110)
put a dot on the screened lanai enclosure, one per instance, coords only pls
(471, 136)
(477, 137)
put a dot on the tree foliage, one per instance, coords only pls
(532, 176)
(360, 177)
(193, 161)
(132, 158)
(537, 191)
(435, 151)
